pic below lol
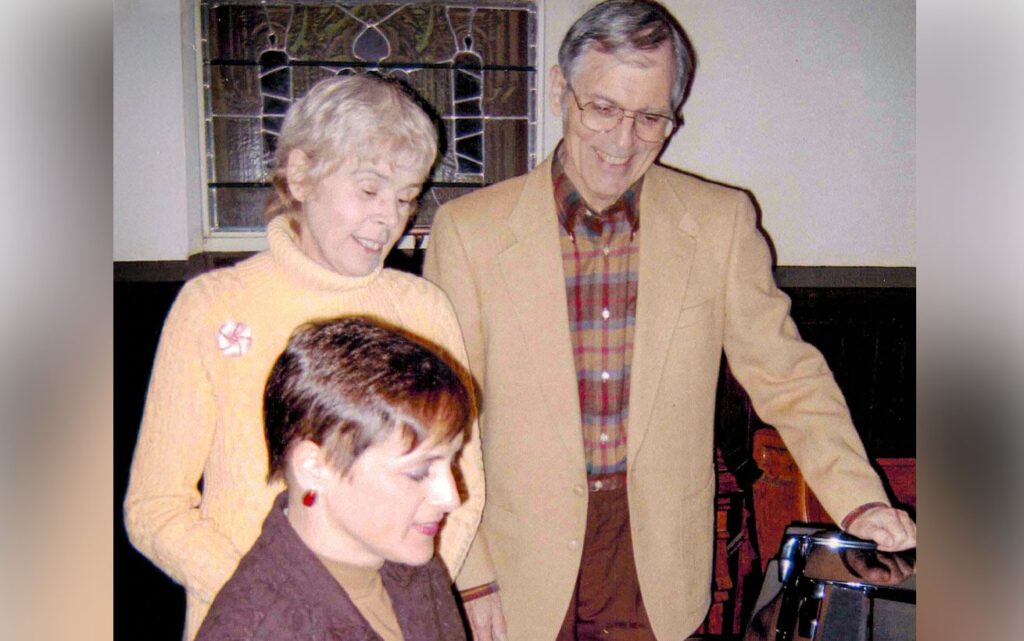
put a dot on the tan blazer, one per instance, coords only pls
(705, 284)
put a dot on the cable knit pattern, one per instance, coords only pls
(203, 415)
(281, 592)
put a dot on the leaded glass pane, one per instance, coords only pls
(234, 90)
(472, 62)
(240, 207)
(506, 147)
(243, 138)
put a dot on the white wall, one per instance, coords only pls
(151, 190)
(809, 104)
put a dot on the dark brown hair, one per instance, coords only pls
(348, 383)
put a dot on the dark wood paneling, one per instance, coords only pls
(147, 605)
(867, 337)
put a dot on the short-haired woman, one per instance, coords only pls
(351, 159)
(363, 422)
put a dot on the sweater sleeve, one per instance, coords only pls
(447, 266)
(161, 507)
(790, 385)
(462, 524)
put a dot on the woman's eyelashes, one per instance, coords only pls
(404, 201)
(409, 197)
(418, 474)
(421, 473)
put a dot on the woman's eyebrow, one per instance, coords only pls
(362, 172)
(430, 458)
(417, 459)
(372, 172)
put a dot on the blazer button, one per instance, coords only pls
(574, 544)
(579, 490)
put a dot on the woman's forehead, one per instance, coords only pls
(434, 444)
(386, 167)
(436, 448)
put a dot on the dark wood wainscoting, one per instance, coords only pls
(862, 319)
(867, 336)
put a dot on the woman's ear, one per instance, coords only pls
(307, 465)
(297, 174)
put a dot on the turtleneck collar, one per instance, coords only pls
(284, 247)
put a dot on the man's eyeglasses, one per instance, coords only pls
(602, 117)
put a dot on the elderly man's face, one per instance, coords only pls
(604, 165)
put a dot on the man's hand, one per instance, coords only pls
(486, 618)
(880, 568)
(891, 529)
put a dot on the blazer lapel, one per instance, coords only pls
(668, 242)
(532, 268)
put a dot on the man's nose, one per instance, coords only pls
(625, 131)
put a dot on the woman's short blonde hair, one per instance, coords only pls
(362, 116)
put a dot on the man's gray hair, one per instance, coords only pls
(628, 25)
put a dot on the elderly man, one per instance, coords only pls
(596, 295)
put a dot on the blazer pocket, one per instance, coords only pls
(697, 511)
(702, 484)
(501, 522)
(699, 313)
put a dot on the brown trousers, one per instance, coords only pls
(606, 604)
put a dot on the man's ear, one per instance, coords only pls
(557, 88)
(297, 174)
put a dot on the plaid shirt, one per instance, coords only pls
(599, 260)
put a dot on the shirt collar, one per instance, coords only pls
(572, 208)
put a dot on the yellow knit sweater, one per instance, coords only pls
(203, 416)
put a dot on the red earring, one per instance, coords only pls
(309, 498)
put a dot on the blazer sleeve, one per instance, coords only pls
(447, 265)
(790, 385)
(161, 507)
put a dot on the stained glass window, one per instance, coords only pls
(473, 62)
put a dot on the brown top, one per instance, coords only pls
(282, 592)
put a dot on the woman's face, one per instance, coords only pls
(353, 216)
(390, 504)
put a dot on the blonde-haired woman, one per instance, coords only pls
(351, 159)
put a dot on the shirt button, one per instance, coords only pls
(603, 438)
(598, 485)
(574, 544)
(606, 250)
(605, 314)
(605, 376)
(579, 490)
